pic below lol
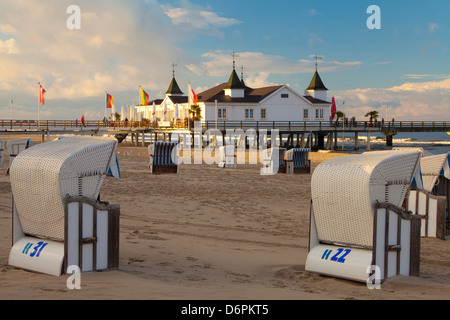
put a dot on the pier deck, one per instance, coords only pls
(300, 133)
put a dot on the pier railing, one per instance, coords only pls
(348, 125)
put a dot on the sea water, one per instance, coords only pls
(433, 142)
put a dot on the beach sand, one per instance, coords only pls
(209, 233)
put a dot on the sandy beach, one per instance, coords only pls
(209, 233)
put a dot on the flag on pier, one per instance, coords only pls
(193, 98)
(41, 95)
(144, 97)
(109, 101)
(333, 108)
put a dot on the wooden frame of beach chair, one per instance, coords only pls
(274, 161)
(227, 156)
(432, 210)
(358, 229)
(58, 220)
(163, 157)
(297, 161)
(16, 146)
(432, 201)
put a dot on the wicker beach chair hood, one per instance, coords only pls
(42, 176)
(345, 190)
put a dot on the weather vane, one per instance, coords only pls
(317, 58)
(234, 55)
(173, 68)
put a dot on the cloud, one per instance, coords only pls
(313, 12)
(197, 16)
(315, 39)
(8, 46)
(432, 26)
(410, 101)
(120, 46)
(258, 66)
(425, 76)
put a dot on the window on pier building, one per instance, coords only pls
(319, 114)
(305, 114)
(249, 114)
(221, 113)
(263, 114)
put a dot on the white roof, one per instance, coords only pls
(41, 176)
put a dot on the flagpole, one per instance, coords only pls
(106, 102)
(11, 109)
(39, 102)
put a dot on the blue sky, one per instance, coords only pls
(124, 44)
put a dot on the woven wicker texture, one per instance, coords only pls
(344, 190)
(43, 175)
(432, 167)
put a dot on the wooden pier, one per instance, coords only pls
(296, 133)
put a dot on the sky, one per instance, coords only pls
(401, 70)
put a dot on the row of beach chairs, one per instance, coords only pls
(360, 227)
(163, 159)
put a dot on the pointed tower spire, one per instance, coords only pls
(173, 89)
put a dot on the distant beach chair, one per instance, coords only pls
(274, 161)
(227, 156)
(58, 221)
(163, 157)
(432, 201)
(15, 147)
(297, 161)
(358, 229)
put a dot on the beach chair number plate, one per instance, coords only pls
(37, 249)
(339, 256)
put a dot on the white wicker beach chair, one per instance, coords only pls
(357, 220)
(274, 161)
(15, 147)
(227, 156)
(432, 201)
(297, 161)
(163, 157)
(57, 219)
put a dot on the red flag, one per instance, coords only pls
(333, 108)
(41, 95)
(109, 101)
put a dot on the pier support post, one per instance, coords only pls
(389, 135)
(320, 140)
(302, 140)
(368, 141)
(356, 141)
(335, 140)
